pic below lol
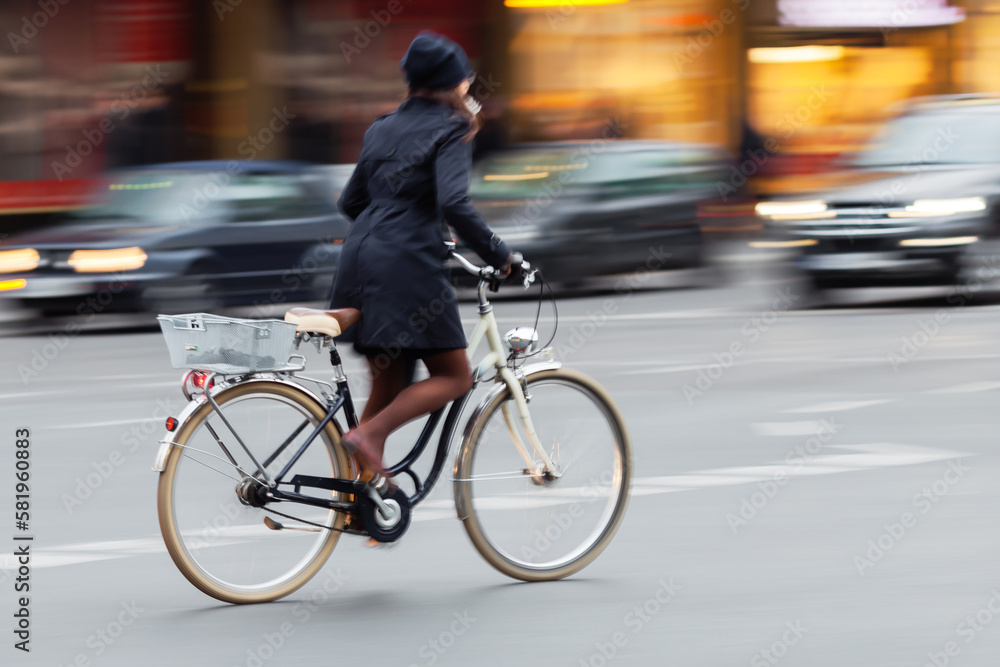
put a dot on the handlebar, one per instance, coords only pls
(488, 274)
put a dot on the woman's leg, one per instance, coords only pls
(387, 382)
(450, 377)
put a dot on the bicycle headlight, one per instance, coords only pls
(521, 340)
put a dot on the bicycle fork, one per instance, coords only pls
(487, 327)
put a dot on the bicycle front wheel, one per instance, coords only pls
(525, 525)
(211, 521)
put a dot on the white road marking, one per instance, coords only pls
(814, 427)
(32, 394)
(656, 370)
(674, 368)
(839, 406)
(117, 422)
(42, 559)
(970, 388)
(871, 456)
(860, 457)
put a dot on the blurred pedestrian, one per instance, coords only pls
(412, 175)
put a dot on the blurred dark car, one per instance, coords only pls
(579, 210)
(909, 209)
(183, 237)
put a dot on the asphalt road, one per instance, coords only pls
(814, 487)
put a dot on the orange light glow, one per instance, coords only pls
(7, 285)
(533, 4)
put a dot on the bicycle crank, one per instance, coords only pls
(385, 517)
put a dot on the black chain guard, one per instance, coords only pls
(375, 526)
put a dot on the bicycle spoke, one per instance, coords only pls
(536, 528)
(219, 440)
(215, 519)
(202, 451)
(191, 458)
(520, 474)
(270, 459)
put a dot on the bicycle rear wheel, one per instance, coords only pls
(525, 526)
(217, 539)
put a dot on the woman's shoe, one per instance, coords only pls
(361, 449)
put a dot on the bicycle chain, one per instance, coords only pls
(348, 531)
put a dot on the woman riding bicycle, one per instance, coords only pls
(412, 176)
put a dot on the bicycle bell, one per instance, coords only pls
(521, 340)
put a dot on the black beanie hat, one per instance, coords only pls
(434, 61)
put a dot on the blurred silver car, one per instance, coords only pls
(909, 208)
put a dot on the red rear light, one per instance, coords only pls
(194, 383)
(171, 424)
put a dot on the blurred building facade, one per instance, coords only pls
(90, 84)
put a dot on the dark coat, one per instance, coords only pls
(411, 177)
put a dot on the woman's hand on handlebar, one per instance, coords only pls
(511, 267)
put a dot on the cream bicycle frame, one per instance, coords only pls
(486, 328)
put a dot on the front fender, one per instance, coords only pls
(477, 414)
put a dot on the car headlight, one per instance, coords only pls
(13, 261)
(107, 261)
(946, 206)
(780, 210)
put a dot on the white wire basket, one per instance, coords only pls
(229, 345)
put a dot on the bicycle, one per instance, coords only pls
(250, 510)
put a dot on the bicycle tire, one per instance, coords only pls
(206, 581)
(472, 519)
